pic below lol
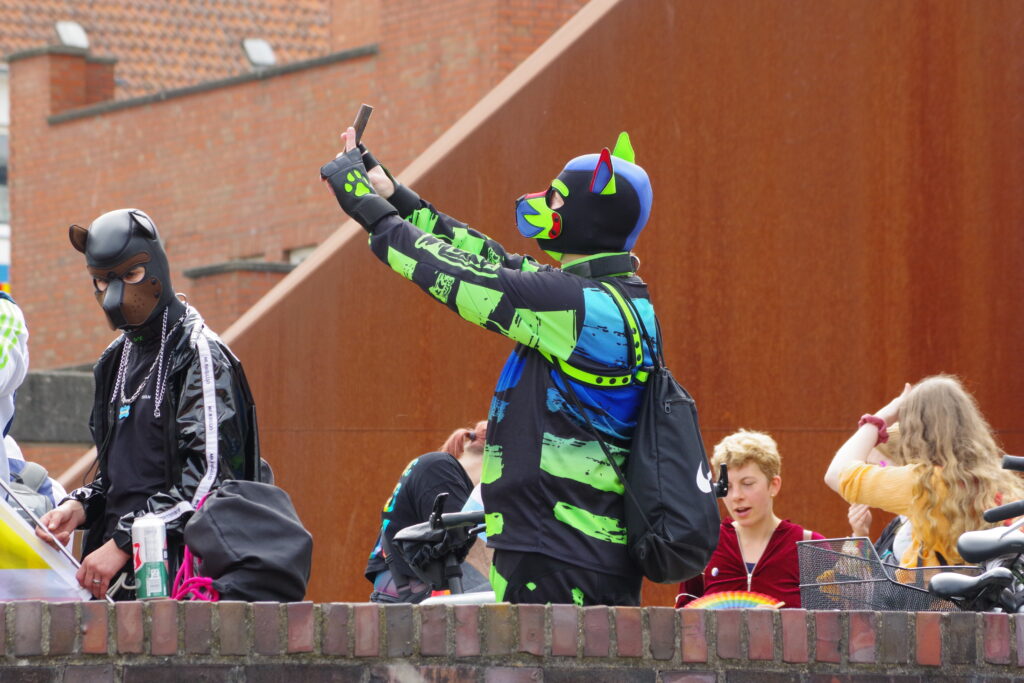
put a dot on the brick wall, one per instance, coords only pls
(199, 164)
(227, 288)
(358, 642)
(228, 171)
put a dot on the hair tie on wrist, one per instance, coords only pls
(883, 433)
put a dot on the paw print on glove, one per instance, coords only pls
(353, 189)
(358, 184)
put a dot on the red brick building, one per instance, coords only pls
(164, 112)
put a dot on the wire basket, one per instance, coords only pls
(846, 574)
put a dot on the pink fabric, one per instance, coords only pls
(187, 584)
(199, 588)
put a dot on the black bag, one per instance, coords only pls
(251, 543)
(671, 512)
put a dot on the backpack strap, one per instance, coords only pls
(634, 324)
(636, 334)
(618, 379)
(624, 301)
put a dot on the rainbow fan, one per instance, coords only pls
(735, 600)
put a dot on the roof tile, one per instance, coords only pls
(200, 40)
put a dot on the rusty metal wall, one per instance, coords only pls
(838, 209)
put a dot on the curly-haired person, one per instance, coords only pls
(952, 473)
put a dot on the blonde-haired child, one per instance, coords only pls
(756, 550)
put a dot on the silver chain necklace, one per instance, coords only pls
(158, 366)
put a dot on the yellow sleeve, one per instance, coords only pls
(886, 488)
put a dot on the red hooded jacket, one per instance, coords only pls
(777, 573)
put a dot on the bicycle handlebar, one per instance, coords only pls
(451, 520)
(1013, 462)
(1004, 512)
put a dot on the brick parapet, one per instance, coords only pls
(500, 642)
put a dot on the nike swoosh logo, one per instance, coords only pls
(703, 480)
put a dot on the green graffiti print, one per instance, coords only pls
(442, 287)
(455, 257)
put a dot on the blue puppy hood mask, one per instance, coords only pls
(606, 203)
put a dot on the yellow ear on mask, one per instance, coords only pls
(623, 148)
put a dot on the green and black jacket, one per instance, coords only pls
(547, 485)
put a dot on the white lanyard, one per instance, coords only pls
(209, 417)
(211, 434)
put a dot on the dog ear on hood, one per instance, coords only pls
(78, 236)
(603, 180)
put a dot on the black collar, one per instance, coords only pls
(602, 266)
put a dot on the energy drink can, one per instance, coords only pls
(149, 557)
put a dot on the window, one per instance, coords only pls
(259, 52)
(299, 254)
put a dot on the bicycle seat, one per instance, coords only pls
(420, 533)
(960, 586)
(984, 544)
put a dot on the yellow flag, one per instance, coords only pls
(29, 568)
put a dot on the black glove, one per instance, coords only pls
(403, 198)
(370, 162)
(347, 178)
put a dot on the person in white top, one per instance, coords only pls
(13, 366)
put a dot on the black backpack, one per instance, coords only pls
(251, 543)
(671, 510)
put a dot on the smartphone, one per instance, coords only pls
(362, 118)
